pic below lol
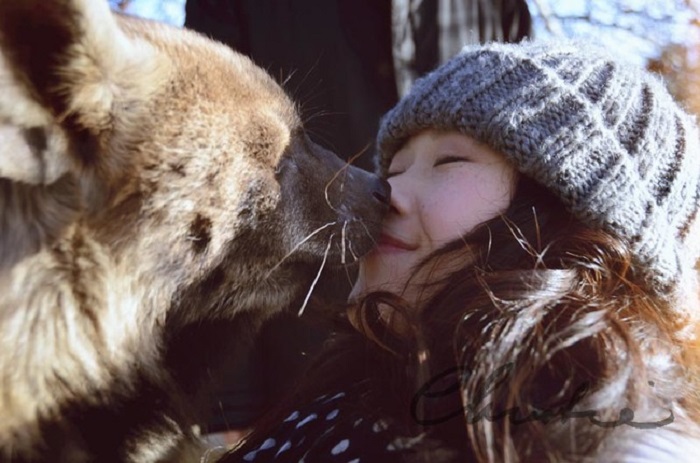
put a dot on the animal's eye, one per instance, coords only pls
(449, 160)
(284, 164)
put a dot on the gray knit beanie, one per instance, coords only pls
(606, 138)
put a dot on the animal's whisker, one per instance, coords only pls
(374, 242)
(352, 253)
(297, 246)
(318, 114)
(328, 185)
(342, 243)
(343, 169)
(318, 275)
(284, 81)
(347, 274)
(354, 157)
(320, 137)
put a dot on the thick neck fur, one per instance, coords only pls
(92, 326)
(83, 325)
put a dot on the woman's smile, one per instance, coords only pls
(389, 243)
(443, 185)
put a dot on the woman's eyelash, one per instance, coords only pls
(449, 159)
(441, 161)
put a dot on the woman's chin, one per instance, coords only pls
(381, 273)
(364, 286)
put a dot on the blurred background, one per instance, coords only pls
(663, 35)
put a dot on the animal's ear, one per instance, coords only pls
(72, 85)
(66, 71)
(33, 148)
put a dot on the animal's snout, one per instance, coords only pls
(323, 189)
(370, 188)
(382, 191)
(374, 186)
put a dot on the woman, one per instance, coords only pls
(533, 296)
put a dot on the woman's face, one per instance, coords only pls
(443, 184)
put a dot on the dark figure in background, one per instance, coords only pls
(346, 62)
(341, 59)
(334, 57)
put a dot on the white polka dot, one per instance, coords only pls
(357, 422)
(311, 417)
(340, 447)
(286, 446)
(269, 443)
(250, 456)
(293, 416)
(332, 414)
(335, 397)
(356, 460)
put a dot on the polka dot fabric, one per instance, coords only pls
(328, 430)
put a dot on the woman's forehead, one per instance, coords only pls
(446, 141)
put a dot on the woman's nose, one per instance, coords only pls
(400, 200)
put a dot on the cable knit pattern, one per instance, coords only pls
(605, 137)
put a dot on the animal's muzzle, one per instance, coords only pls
(321, 190)
(382, 192)
(379, 189)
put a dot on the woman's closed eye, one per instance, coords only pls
(450, 160)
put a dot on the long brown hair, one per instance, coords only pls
(547, 332)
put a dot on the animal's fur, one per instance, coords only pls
(149, 178)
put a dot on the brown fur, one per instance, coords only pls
(148, 178)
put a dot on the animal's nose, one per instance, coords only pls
(382, 191)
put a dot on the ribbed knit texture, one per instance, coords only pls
(606, 138)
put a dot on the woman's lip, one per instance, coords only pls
(388, 241)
